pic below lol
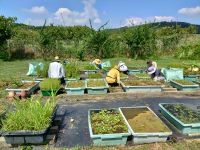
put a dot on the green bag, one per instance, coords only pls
(172, 73)
(106, 64)
(32, 70)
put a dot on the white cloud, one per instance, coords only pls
(37, 10)
(67, 16)
(190, 11)
(133, 21)
(137, 20)
(163, 18)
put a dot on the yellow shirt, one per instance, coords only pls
(113, 75)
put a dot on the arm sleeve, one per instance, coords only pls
(151, 72)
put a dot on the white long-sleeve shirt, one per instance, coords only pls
(56, 70)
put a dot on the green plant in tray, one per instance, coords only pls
(94, 76)
(184, 82)
(183, 113)
(142, 75)
(89, 67)
(75, 84)
(29, 115)
(50, 84)
(95, 83)
(107, 122)
(136, 82)
(72, 70)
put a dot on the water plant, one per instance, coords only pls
(95, 83)
(107, 122)
(183, 113)
(30, 115)
(75, 84)
(50, 84)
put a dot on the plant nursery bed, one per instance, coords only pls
(185, 119)
(49, 86)
(94, 76)
(132, 71)
(142, 75)
(97, 86)
(75, 87)
(141, 86)
(145, 125)
(28, 136)
(191, 77)
(28, 86)
(184, 85)
(107, 127)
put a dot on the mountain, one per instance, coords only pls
(161, 24)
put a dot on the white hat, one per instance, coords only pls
(122, 67)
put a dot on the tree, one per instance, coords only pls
(6, 33)
(141, 41)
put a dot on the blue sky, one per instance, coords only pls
(117, 12)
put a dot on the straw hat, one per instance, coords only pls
(97, 61)
(57, 58)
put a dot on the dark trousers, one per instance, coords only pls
(113, 84)
(62, 81)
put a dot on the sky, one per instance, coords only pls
(117, 13)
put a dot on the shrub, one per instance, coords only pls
(72, 70)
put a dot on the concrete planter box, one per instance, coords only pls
(184, 87)
(75, 91)
(106, 139)
(153, 88)
(27, 136)
(193, 128)
(144, 137)
(97, 90)
(29, 90)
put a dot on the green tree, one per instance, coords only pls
(141, 41)
(6, 33)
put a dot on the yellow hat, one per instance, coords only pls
(97, 61)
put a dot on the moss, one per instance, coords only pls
(75, 84)
(184, 82)
(143, 120)
(95, 83)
